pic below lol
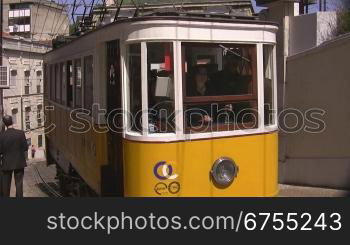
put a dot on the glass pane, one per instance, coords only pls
(218, 80)
(70, 83)
(88, 83)
(64, 91)
(77, 74)
(58, 82)
(202, 118)
(52, 82)
(268, 85)
(160, 70)
(134, 74)
(219, 69)
(13, 76)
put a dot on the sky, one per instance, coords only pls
(256, 9)
(331, 4)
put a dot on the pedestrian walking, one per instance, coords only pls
(13, 146)
(33, 151)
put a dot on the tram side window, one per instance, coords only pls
(52, 82)
(269, 103)
(77, 79)
(88, 83)
(160, 69)
(58, 72)
(135, 96)
(220, 87)
(70, 84)
(64, 83)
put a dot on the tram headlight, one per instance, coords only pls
(224, 171)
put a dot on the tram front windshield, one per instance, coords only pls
(220, 87)
(161, 93)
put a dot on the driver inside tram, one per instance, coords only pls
(200, 85)
(231, 80)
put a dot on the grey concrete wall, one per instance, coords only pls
(303, 30)
(319, 78)
(308, 31)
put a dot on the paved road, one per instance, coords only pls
(302, 191)
(33, 186)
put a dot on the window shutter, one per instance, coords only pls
(4, 77)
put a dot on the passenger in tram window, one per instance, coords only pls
(198, 85)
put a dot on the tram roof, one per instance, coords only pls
(204, 17)
(200, 17)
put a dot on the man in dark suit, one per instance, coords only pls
(13, 145)
(2, 129)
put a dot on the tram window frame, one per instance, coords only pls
(251, 97)
(132, 117)
(269, 85)
(88, 84)
(63, 83)
(78, 102)
(159, 123)
(52, 82)
(58, 81)
(70, 83)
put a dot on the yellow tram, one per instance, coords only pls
(166, 105)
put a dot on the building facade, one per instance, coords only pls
(29, 27)
(24, 99)
(35, 19)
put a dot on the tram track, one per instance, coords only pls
(45, 185)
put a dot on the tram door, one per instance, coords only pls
(112, 175)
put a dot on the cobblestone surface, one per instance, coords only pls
(33, 186)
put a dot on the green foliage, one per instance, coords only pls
(73, 28)
(346, 21)
(343, 22)
(343, 19)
